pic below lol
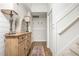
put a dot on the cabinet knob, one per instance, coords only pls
(4, 40)
(24, 48)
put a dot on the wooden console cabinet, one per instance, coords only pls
(17, 44)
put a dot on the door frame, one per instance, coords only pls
(48, 26)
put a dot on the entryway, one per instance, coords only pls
(39, 26)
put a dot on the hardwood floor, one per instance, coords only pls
(47, 52)
(42, 45)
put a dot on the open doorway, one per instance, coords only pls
(39, 26)
(39, 32)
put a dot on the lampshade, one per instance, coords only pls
(27, 18)
(8, 11)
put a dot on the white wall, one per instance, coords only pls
(22, 12)
(4, 28)
(59, 11)
(39, 32)
(6, 5)
(71, 32)
(66, 38)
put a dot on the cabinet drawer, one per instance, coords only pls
(20, 39)
(21, 43)
(29, 35)
(26, 37)
(29, 41)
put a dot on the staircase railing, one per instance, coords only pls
(71, 23)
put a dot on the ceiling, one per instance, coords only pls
(36, 7)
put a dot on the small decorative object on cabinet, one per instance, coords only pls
(27, 20)
(10, 15)
(17, 44)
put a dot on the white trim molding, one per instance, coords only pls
(68, 45)
(72, 15)
(68, 12)
(68, 26)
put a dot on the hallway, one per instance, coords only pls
(40, 49)
(39, 29)
(26, 33)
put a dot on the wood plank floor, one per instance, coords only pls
(47, 51)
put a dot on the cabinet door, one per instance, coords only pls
(11, 47)
(26, 47)
(22, 50)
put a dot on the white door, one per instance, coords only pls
(4, 28)
(39, 29)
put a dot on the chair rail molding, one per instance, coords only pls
(68, 12)
(71, 13)
(68, 26)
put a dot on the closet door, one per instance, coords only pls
(4, 28)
